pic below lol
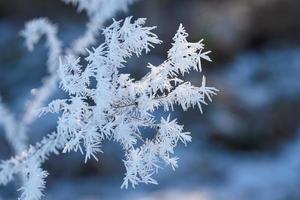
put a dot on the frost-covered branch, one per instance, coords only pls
(14, 133)
(98, 12)
(37, 154)
(32, 33)
(117, 107)
(35, 181)
(141, 163)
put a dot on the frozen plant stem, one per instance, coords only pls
(117, 107)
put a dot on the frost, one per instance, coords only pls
(98, 12)
(116, 107)
(14, 133)
(35, 182)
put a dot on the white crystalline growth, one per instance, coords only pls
(116, 107)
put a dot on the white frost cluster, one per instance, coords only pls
(98, 12)
(34, 181)
(105, 104)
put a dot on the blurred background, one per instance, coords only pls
(246, 145)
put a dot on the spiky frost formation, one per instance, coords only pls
(117, 107)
